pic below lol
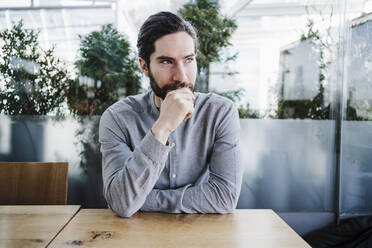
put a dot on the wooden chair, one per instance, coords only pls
(28, 183)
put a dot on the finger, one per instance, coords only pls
(189, 99)
(186, 95)
(189, 113)
(188, 116)
(181, 91)
(184, 90)
(182, 99)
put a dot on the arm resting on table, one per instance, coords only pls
(128, 176)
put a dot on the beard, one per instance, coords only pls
(162, 92)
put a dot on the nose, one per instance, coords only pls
(180, 73)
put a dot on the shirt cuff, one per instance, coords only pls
(154, 149)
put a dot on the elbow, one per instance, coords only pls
(119, 206)
(226, 193)
(227, 209)
(121, 210)
(124, 213)
(229, 203)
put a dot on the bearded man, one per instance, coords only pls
(170, 149)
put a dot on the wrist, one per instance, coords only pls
(160, 132)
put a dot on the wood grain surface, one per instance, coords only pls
(24, 183)
(32, 226)
(243, 228)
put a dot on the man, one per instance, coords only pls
(170, 150)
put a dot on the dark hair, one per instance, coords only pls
(158, 25)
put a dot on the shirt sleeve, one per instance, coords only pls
(220, 194)
(128, 176)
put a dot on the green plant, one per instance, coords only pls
(247, 113)
(233, 95)
(318, 110)
(315, 108)
(214, 32)
(106, 67)
(32, 80)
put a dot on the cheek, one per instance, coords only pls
(193, 71)
(161, 76)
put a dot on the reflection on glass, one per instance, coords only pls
(288, 165)
(356, 155)
(359, 69)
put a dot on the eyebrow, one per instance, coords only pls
(170, 58)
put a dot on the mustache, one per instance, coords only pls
(177, 85)
(162, 92)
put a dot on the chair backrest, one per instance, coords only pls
(29, 183)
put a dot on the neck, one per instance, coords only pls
(157, 101)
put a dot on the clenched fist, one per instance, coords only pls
(177, 106)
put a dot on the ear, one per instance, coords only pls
(143, 66)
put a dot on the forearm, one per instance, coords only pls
(211, 197)
(127, 183)
(214, 196)
(212, 193)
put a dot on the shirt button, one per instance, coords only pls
(173, 144)
(174, 175)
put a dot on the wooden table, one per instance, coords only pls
(243, 228)
(32, 226)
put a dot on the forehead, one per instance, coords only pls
(174, 45)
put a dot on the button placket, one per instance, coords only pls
(172, 174)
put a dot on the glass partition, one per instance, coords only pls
(356, 142)
(287, 70)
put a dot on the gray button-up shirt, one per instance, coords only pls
(198, 171)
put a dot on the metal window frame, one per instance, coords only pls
(91, 6)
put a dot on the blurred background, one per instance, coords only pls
(299, 71)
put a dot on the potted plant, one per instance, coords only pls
(107, 70)
(33, 82)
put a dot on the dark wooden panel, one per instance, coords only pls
(28, 183)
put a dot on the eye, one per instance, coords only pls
(189, 60)
(166, 61)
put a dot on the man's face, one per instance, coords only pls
(172, 64)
